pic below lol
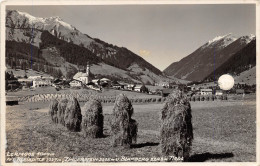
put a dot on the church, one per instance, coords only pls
(84, 78)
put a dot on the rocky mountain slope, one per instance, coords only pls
(73, 46)
(209, 57)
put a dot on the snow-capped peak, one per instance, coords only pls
(31, 18)
(218, 38)
(247, 39)
(221, 41)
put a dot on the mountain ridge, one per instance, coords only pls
(207, 58)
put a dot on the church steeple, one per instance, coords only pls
(87, 69)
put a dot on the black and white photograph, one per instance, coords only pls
(128, 82)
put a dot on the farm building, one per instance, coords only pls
(41, 82)
(96, 81)
(130, 86)
(75, 83)
(166, 92)
(11, 100)
(219, 92)
(25, 81)
(240, 91)
(206, 91)
(163, 84)
(137, 88)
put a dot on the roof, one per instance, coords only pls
(138, 86)
(167, 91)
(24, 80)
(80, 74)
(105, 79)
(206, 90)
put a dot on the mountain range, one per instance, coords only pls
(53, 46)
(223, 54)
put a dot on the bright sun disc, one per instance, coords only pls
(226, 82)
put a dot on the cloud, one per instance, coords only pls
(144, 53)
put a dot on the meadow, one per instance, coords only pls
(223, 131)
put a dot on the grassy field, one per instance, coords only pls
(223, 131)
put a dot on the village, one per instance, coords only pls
(82, 80)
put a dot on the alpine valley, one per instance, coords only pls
(52, 46)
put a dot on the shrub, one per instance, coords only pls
(93, 119)
(61, 111)
(72, 116)
(53, 109)
(123, 128)
(176, 127)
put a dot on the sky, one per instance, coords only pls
(161, 34)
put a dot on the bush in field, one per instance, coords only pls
(123, 128)
(176, 127)
(53, 109)
(93, 119)
(61, 111)
(72, 116)
(159, 100)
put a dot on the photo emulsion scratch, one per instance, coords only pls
(129, 83)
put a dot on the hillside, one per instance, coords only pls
(247, 76)
(241, 61)
(19, 27)
(209, 57)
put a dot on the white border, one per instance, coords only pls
(124, 2)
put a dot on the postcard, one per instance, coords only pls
(129, 82)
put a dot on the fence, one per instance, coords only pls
(83, 97)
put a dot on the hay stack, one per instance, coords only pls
(92, 121)
(61, 111)
(123, 128)
(176, 126)
(53, 109)
(72, 116)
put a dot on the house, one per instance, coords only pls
(137, 88)
(219, 92)
(130, 86)
(117, 85)
(34, 77)
(166, 92)
(206, 91)
(96, 81)
(25, 81)
(75, 83)
(163, 84)
(41, 83)
(240, 91)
